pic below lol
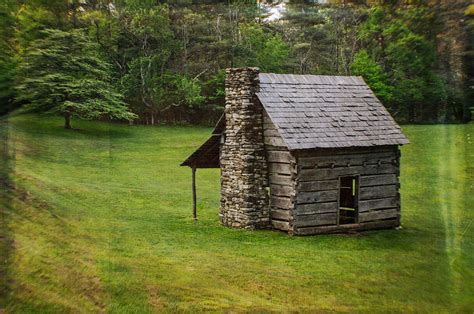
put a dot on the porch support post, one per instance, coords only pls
(194, 192)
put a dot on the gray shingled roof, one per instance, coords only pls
(316, 111)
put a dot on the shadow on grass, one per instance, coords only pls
(53, 127)
(6, 191)
(108, 131)
(403, 240)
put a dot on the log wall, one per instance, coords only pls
(281, 177)
(316, 205)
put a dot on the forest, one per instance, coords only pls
(151, 62)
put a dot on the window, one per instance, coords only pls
(348, 197)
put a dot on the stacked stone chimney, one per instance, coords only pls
(244, 182)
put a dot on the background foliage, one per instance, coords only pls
(167, 58)
(64, 73)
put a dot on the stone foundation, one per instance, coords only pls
(244, 182)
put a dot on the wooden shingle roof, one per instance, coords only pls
(316, 111)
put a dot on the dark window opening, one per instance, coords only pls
(348, 187)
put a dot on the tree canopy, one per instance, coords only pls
(164, 61)
(63, 72)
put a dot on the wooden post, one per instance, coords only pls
(194, 193)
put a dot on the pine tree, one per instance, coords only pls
(64, 73)
(7, 55)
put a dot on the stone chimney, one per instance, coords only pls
(244, 179)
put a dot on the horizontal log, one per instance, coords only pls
(316, 208)
(381, 191)
(280, 168)
(270, 148)
(281, 225)
(346, 151)
(382, 179)
(318, 185)
(268, 125)
(280, 214)
(271, 133)
(315, 220)
(378, 214)
(315, 197)
(334, 173)
(274, 141)
(343, 160)
(279, 156)
(282, 190)
(347, 154)
(281, 202)
(378, 204)
(381, 224)
(274, 178)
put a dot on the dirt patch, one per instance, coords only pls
(156, 302)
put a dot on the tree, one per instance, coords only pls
(412, 57)
(404, 49)
(148, 40)
(373, 74)
(64, 73)
(307, 31)
(168, 57)
(182, 95)
(261, 48)
(7, 55)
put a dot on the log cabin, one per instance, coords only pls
(304, 154)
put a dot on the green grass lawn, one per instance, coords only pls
(100, 220)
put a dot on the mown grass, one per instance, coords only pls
(99, 220)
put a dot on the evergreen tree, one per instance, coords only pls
(168, 57)
(7, 55)
(63, 73)
(373, 74)
(261, 48)
(402, 56)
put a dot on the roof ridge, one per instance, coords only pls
(318, 75)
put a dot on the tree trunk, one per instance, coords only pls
(67, 121)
